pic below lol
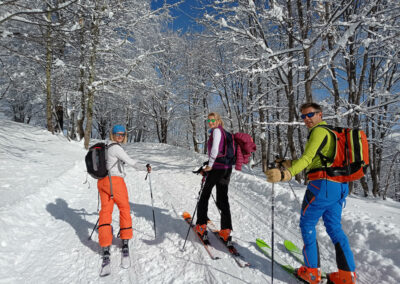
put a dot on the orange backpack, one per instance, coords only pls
(351, 156)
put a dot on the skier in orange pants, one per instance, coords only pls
(120, 198)
(117, 193)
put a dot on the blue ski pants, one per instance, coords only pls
(324, 198)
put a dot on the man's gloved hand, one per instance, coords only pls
(284, 163)
(276, 175)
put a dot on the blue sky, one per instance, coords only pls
(183, 14)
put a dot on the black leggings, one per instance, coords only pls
(221, 179)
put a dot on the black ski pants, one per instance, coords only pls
(220, 179)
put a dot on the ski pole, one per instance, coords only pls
(272, 226)
(216, 204)
(297, 199)
(281, 167)
(90, 237)
(195, 209)
(152, 202)
(272, 232)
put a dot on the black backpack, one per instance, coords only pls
(228, 157)
(96, 160)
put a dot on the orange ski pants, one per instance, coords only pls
(120, 198)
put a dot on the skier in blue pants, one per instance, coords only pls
(324, 197)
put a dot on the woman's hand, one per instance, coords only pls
(207, 169)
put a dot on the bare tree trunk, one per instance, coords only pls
(192, 118)
(264, 141)
(92, 72)
(364, 185)
(304, 23)
(60, 119)
(269, 144)
(351, 187)
(81, 117)
(205, 108)
(49, 62)
(332, 67)
(289, 88)
(164, 126)
(278, 129)
(71, 126)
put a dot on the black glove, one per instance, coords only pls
(198, 171)
(148, 166)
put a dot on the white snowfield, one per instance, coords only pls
(49, 207)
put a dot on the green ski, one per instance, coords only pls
(294, 251)
(266, 249)
(297, 254)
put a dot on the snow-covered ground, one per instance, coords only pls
(49, 207)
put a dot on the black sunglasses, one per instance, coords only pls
(310, 114)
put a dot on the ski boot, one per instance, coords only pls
(309, 275)
(224, 234)
(125, 247)
(105, 265)
(342, 276)
(106, 254)
(201, 230)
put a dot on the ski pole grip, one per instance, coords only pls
(198, 170)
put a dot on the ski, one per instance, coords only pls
(239, 259)
(205, 242)
(105, 267)
(294, 251)
(266, 249)
(297, 254)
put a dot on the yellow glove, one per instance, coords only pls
(285, 163)
(276, 175)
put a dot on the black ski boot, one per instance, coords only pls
(105, 266)
(204, 237)
(106, 254)
(228, 242)
(125, 247)
(125, 259)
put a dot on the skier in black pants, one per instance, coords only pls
(217, 174)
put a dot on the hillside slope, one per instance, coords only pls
(50, 207)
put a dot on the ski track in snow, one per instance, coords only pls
(49, 210)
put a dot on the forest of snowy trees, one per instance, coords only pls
(84, 65)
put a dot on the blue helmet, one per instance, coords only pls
(118, 128)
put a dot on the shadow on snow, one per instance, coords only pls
(165, 224)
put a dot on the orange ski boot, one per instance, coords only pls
(200, 229)
(309, 275)
(224, 234)
(342, 277)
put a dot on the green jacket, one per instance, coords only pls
(309, 160)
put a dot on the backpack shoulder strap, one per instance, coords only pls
(330, 129)
(112, 144)
(118, 161)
